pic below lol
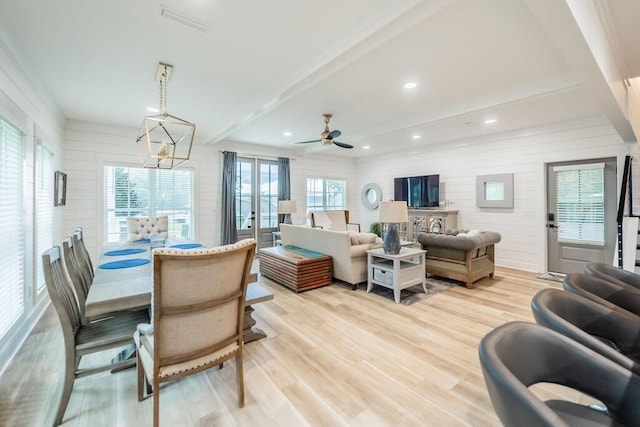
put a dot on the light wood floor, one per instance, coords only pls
(333, 357)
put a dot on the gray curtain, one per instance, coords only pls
(284, 182)
(229, 230)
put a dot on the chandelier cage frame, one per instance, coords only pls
(164, 141)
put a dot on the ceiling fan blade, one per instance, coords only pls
(334, 134)
(307, 142)
(342, 144)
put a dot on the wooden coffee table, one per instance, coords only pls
(296, 268)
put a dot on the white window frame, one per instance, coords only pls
(12, 229)
(326, 204)
(176, 227)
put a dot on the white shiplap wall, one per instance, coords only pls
(523, 244)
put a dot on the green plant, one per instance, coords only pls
(376, 228)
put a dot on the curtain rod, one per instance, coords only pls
(261, 156)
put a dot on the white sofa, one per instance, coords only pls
(348, 253)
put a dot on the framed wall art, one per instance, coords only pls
(60, 189)
(494, 191)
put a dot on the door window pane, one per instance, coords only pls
(580, 204)
(44, 208)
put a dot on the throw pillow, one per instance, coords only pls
(354, 240)
(364, 238)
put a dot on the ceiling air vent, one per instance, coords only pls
(184, 19)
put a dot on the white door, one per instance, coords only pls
(581, 214)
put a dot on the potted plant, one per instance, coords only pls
(376, 228)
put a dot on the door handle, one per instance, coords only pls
(552, 226)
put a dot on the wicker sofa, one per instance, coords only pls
(463, 256)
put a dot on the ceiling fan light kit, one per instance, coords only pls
(327, 137)
(164, 141)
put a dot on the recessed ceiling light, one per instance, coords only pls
(416, 137)
(410, 85)
(490, 121)
(366, 147)
(286, 133)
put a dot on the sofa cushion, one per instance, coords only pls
(354, 240)
(461, 242)
(364, 238)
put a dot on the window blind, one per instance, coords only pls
(44, 208)
(580, 204)
(147, 192)
(11, 227)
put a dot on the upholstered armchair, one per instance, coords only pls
(144, 227)
(333, 220)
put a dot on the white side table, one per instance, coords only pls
(396, 272)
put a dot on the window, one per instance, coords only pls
(44, 208)
(325, 194)
(11, 226)
(580, 203)
(147, 192)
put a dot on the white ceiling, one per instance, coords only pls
(268, 67)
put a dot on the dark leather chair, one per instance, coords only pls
(612, 333)
(517, 355)
(613, 274)
(609, 294)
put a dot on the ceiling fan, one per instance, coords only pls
(327, 137)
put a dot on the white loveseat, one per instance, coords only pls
(348, 249)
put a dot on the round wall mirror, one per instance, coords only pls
(371, 195)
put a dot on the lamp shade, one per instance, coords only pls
(287, 207)
(393, 212)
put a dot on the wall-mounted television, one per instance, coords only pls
(419, 192)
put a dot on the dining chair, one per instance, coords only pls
(78, 281)
(614, 334)
(142, 227)
(613, 274)
(518, 355)
(612, 295)
(82, 339)
(197, 316)
(83, 254)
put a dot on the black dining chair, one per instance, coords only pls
(612, 295)
(613, 274)
(517, 355)
(613, 333)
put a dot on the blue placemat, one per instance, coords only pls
(125, 263)
(142, 241)
(187, 246)
(120, 252)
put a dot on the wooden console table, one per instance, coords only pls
(296, 268)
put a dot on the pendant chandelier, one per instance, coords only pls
(165, 140)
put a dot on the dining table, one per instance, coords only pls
(123, 280)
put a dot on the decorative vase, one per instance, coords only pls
(391, 243)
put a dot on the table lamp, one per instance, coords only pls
(392, 213)
(286, 208)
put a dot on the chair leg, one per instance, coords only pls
(141, 377)
(69, 376)
(240, 379)
(156, 402)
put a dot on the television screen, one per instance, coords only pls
(418, 191)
